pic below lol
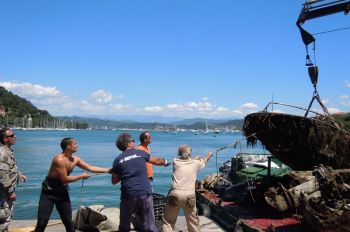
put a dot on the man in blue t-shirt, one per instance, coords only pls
(129, 168)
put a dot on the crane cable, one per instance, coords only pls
(334, 30)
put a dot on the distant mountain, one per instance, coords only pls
(200, 120)
(98, 123)
(140, 118)
(156, 119)
(18, 112)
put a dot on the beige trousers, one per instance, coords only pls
(173, 204)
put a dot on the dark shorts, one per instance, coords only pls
(142, 206)
(54, 185)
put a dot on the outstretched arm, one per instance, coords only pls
(208, 156)
(84, 165)
(158, 161)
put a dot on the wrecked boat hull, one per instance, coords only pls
(299, 142)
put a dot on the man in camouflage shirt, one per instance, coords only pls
(9, 176)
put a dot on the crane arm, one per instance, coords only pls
(315, 8)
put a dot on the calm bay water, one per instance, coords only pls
(35, 149)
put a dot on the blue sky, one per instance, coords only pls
(211, 59)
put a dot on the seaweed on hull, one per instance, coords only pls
(300, 142)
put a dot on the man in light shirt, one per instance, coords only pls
(182, 193)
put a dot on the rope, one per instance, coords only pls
(248, 180)
(216, 163)
(80, 204)
(223, 148)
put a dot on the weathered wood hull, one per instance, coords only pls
(299, 142)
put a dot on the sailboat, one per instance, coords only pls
(206, 128)
(175, 129)
(166, 129)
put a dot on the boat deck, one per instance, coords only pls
(249, 218)
(207, 225)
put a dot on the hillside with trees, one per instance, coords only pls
(343, 119)
(19, 112)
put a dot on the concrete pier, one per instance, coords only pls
(207, 225)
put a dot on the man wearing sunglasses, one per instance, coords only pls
(9, 176)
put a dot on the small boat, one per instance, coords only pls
(276, 199)
(235, 198)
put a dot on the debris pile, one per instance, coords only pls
(322, 200)
(299, 142)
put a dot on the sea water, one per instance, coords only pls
(34, 151)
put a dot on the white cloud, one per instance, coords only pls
(347, 83)
(200, 106)
(237, 112)
(56, 103)
(325, 101)
(207, 109)
(153, 109)
(245, 109)
(101, 96)
(102, 102)
(334, 110)
(43, 97)
(206, 106)
(120, 107)
(345, 103)
(104, 97)
(331, 110)
(221, 109)
(249, 106)
(172, 106)
(191, 105)
(31, 90)
(344, 97)
(278, 111)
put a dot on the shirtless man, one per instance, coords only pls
(55, 187)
